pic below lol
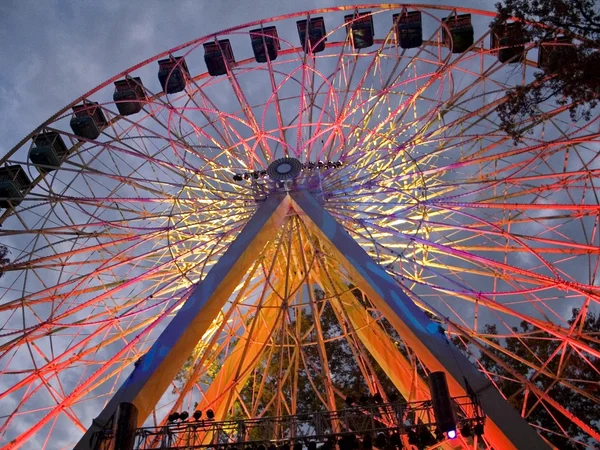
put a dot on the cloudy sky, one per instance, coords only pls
(55, 50)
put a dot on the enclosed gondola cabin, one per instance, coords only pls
(265, 41)
(409, 29)
(217, 56)
(360, 29)
(509, 44)
(13, 182)
(173, 74)
(461, 32)
(312, 34)
(88, 120)
(553, 52)
(47, 151)
(129, 96)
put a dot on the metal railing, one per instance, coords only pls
(318, 427)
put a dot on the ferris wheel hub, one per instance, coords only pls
(284, 169)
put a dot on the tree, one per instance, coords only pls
(532, 344)
(3, 258)
(570, 72)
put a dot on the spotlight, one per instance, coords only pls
(395, 440)
(466, 431)
(380, 440)
(478, 429)
(298, 446)
(328, 444)
(183, 416)
(237, 177)
(197, 414)
(255, 175)
(348, 442)
(367, 442)
(426, 439)
(210, 415)
(451, 434)
(377, 398)
(312, 445)
(173, 417)
(413, 437)
(349, 401)
(443, 408)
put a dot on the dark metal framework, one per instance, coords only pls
(319, 427)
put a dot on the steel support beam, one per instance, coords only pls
(395, 365)
(505, 428)
(392, 362)
(158, 367)
(240, 363)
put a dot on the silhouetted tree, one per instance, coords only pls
(534, 345)
(344, 368)
(570, 74)
(3, 258)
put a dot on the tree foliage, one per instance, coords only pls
(570, 75)
(3, 258)
(345, 372)
(506, 359)
(344, 369)
(536, 347)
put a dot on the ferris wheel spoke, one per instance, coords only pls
(368, 115)
(320, 125)
(275, 100)
(539, 393)
(80, 390)
(532, 277)
(345, 81)
(226, 143)
(322, 352)
(302, 102)
(148, 273)
(250, 117)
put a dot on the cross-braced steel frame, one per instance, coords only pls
(153, 374)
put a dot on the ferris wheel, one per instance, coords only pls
(299, 184)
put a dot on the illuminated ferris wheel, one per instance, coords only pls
(271, 215)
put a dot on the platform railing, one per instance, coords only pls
(398, 418)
